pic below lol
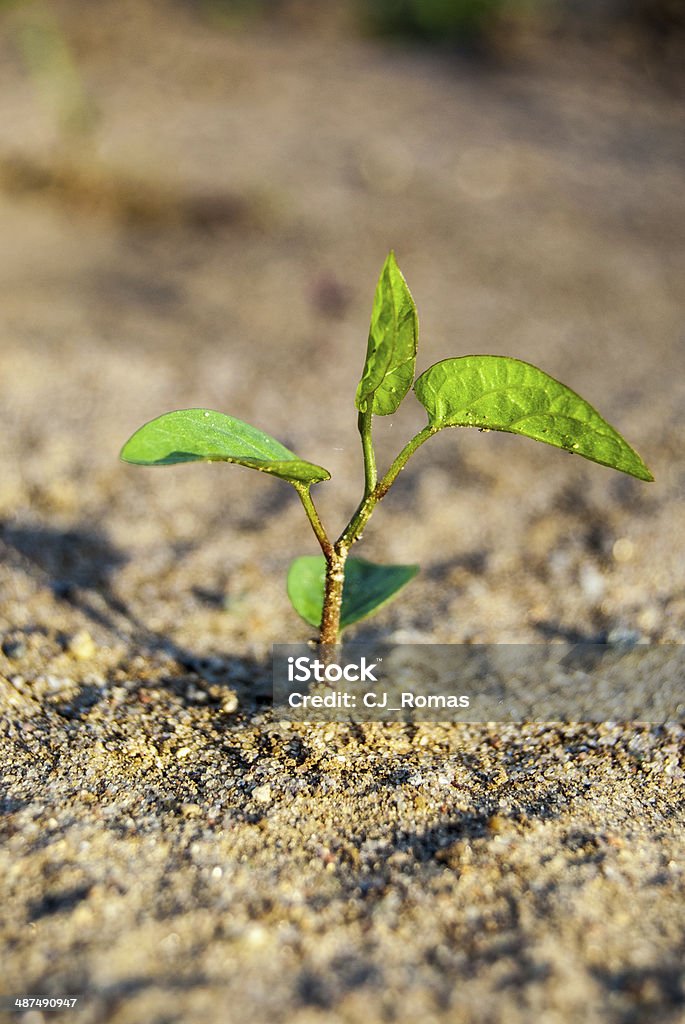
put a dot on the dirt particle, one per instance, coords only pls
(82, 646)
(262, 794)
(497, 823)
(623, 550)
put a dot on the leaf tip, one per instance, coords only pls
(645, 473)
(125, 453)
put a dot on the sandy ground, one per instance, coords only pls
(171, 852)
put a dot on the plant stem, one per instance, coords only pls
(336, 554)
(356, 525)
(370, 474)
(402, 459)
(333, 592)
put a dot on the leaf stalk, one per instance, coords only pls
(313, 516)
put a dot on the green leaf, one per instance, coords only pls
(200, 435)
(391, 353)
(499, 393)
(366, 588)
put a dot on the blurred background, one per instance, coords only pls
(196, 199)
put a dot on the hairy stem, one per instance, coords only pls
(336, 556)
(333, 593)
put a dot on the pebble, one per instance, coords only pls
(262, 794)
(229, 702)
(498, 823)
(624, 636)
(14, 648)
(623, 550)
(82, 646)
(191, 810)
(591, 582)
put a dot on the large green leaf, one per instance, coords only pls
(366, 588)
(200, 435)
(391, 353)
(499, 393)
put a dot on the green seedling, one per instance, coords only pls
(331, 591)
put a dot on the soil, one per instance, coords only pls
(207, 232)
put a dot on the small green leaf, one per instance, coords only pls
(366, 588)
(200, 435)
(499, 393)
(391, 353)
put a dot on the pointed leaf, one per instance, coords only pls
(200, 435)
(391, 353)
(499, 393)
(367, 587)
